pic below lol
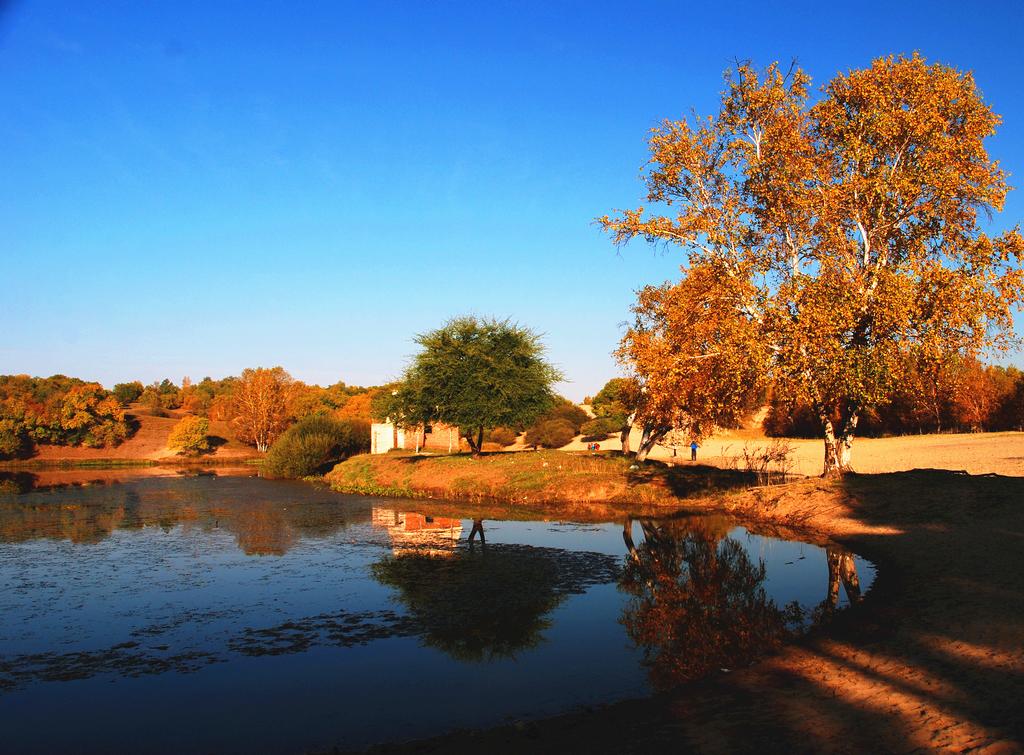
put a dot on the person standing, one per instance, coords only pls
(693, 450)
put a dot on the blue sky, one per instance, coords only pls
(195, 188)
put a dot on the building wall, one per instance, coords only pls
(384, 436)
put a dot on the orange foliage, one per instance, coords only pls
(260, 401)
(357, 407)
(840, 238)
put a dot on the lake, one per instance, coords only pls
(223, 613)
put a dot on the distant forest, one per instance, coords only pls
(934, 398)
(62, 410)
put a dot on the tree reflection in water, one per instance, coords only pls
(492, 602)
(699, 602)
(268, 524)
(475, 606)
(841, 568)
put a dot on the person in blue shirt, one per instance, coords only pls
(693, 450)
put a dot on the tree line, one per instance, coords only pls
(58, 410)
(259, 405)
(960, 397)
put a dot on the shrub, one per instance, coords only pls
(602, 427)
(502, 436)
(14, 441)
(553, 433)
(128, 393)
(315, 444)
(567, 411)
(151, 403)
(190, 436)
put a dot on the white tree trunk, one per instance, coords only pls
(838, 448)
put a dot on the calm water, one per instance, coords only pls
(237, 614)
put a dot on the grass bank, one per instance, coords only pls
(554, 478)
(115, 463)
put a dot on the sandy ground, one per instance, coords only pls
(932, 660)
(975, 453)
(150, 443)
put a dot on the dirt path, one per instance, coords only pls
(932, 660)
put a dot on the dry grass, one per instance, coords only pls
(149, 443)
(544, 478)
(974, 453)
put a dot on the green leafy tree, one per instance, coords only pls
(601, 427)
(566, 410)
(128, 393)
(14, 440)
(618, 401)
(314, 444)
(476, 374)
(190, 436)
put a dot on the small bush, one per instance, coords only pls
(315, 444)
(553, 433)
(151, 403)
(14, 441)
(502, 436)
(567, 411)
(190, 436)
(602, 427)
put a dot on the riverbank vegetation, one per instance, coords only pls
(39, 415)
(314, 444)
(548, 477)
(958, 396)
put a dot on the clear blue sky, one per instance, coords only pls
(194, 188)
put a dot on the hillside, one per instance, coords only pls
(149, 443)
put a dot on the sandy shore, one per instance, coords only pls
(931, 660)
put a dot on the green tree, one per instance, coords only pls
(476, 374)
(190, 436)
(314, 444)
(14, 440)
(618, 402)
(564, 409)
(128, 393)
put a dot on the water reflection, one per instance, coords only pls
(160, 594)
(699, 601)
(841, 568)
(420, 533)
(86, 507)
(480, 605)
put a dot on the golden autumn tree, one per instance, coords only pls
(260, 400)
(697, 366)
(840, 236)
